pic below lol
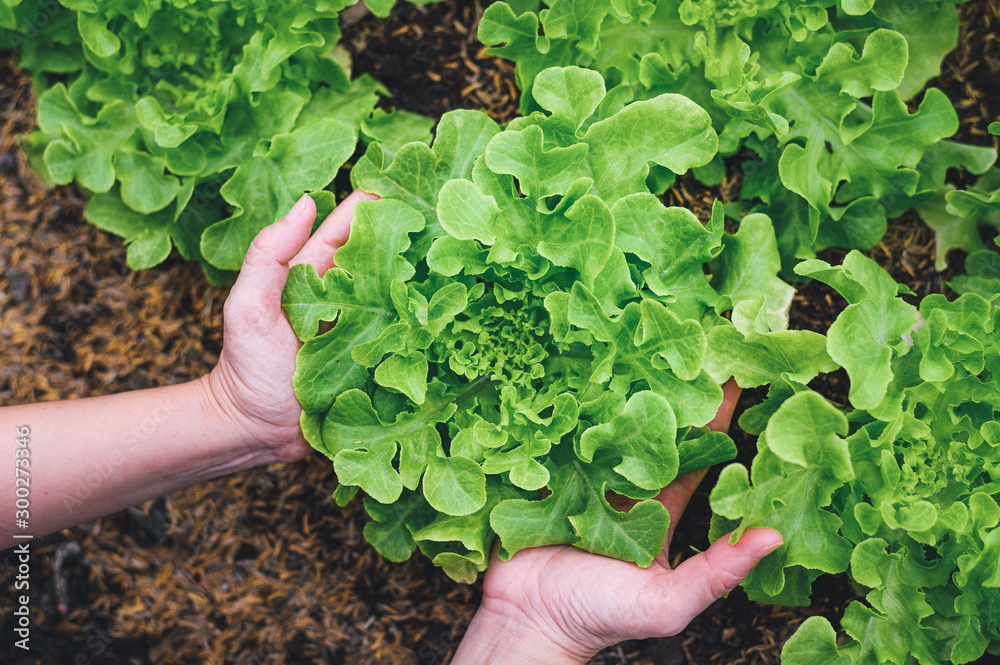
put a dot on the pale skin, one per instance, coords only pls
(93, 457)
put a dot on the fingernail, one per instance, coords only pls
(770, 548)
(298, 209)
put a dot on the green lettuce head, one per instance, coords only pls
(520, 328)
(190, 123)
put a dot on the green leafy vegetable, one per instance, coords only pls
(902, 492)
(787, 79)
(960, 217)
(232, 121)
(982, 276)
(519, 329)
(865, 336)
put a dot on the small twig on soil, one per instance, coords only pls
(69, 548)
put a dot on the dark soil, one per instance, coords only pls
(432, 62)
(262, 567)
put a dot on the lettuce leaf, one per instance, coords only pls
(961, 217)
(982, 275)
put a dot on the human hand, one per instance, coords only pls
(559, 604)
(252, 384)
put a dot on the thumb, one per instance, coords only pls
(257, 291)
(703, 579)
(276, 244)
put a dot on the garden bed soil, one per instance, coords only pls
(262, 567)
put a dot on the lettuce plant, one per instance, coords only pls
(519, 329)
(815, 88)
(982, 274)
(902, 491)
(961, 217)
(190, 123)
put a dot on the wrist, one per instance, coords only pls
(237, 436)
(495, 638)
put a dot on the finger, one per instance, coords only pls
(256, 295)
(675, 498)
(723, 417)
(703, 579)
(331, 234)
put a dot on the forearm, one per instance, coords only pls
(494, 640)
(96, 456)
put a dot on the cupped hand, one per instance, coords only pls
(252, 384)
(558, 604)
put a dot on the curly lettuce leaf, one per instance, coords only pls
(802, 460)
(961, 217)
(868, 334)
(755, 355)
(982, 275)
